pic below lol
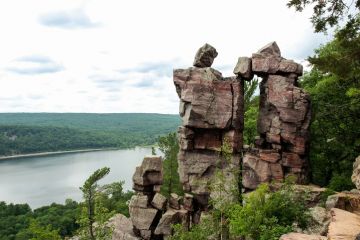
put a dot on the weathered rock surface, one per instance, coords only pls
(243, 68)
(146, 205)
(344, 225)
(356, 173)
(203, 94)
(141, 216)
(174, 201)
(148, 175)
(205, 56)
(320, 220)
(159, 201)
(283, 123)
(347, 201)
(123, 229)
(211, 108)
(169, 218)
(301, 236)
(270, 49)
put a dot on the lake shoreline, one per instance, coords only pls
(26, 155)
(41, 154)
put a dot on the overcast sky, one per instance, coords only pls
(118, 55)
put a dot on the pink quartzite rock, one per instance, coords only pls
(283, 123)
(212, 112)
(343, 225)
(255, 171)
(205, 95)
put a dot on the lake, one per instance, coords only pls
(40, 181)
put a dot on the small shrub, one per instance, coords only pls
(340, 183)
(268, 215)
(201, 231)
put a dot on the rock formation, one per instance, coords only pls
(151, 214)
(344, 225)
(212, 112)
(205, 56)
(283, 123)
(211, 108)
(143, 214)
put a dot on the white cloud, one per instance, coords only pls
(118, 56)
(71, 19)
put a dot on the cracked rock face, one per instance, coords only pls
(211, 108)
(283, 123)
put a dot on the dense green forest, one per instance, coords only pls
(41, 132)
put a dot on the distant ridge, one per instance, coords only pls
(22, 133)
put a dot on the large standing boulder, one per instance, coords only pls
(205, 56)
(356, 173)
(344, 225)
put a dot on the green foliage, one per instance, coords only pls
(16, 219)
(328, 13)
(249, 92)
(169, 146)
(13, 218)
(36, 231)
(41, 132)
(267, 215)
(334, 83)
(93, 209)
(341, 182)
(200, 231)
(251, 103)
(61, 217)
(114, 199)
(250, 122)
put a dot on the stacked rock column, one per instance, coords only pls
(283, 122)
(151, 214)
(211, 108)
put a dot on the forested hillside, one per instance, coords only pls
(39, 132)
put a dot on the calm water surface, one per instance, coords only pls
(40, 181)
